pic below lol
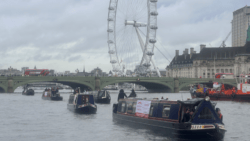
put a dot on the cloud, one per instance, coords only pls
(69, 34)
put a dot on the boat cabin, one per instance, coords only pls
(172, 111)
(103, 94)
(79, 99)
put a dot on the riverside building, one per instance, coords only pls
(210, 61)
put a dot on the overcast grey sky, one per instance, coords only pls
(68, 34)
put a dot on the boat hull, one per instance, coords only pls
(103, 101)
(53, 98)
(172, 130)
(29, 92)
(83, 110)
(223, 97)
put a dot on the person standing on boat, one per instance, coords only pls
(121, 95)
(132, 94)
(75, 91)
(186, 116)
(219, 113)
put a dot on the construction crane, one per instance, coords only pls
(223, 42)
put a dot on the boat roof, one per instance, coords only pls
(81, 94)
(153, 100)
(194, 101)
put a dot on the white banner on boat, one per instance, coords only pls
(216, 85)
(142, 108)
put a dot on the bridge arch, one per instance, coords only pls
(3, 89)
(72, 83)
(144, 83)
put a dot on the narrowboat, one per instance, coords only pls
(102, 97)
(52, 94)
(82, 103)
(166, 117)
(28, 92)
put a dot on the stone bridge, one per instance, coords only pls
(153, 84)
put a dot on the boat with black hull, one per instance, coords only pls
(52, 94)
(82, 103)
(167, 118)
(28, 92)
(102, 97)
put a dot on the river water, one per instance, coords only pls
(29, 118)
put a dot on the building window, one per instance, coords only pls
(231, 71)
(226, 71)
(222, 70)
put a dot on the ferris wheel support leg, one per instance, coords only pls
(157, 70)
(142, 46)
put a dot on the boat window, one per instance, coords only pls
(101, 94)
(151, 111)
(166, 111)
(206, 114)
(129, 108)
(134, 107)
(123, 108)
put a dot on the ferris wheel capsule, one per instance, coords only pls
(146, 65)
(111, 8)
(153, 27)
(150, 53)
(152, 41)
(111, 52)
(154, 13)
(110, 30)
(110, 19)
(110, 42)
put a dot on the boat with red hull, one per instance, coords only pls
(241, 93)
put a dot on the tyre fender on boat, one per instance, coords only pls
(115, 108)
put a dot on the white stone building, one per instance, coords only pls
(210, 61)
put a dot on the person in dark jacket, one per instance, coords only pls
(219, 113)
(186, 116)
(121, 95)
(132, 94)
